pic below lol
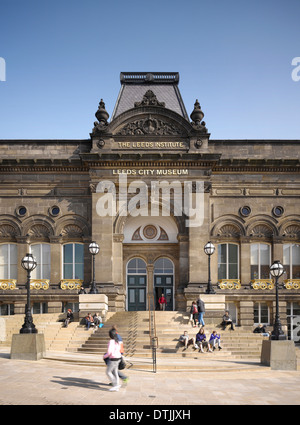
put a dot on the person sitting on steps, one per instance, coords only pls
(227, 320)
(201, 341)
(215, 339)
(186, 340)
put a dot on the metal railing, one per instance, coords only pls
(152, 330)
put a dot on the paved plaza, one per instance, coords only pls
(53, 382)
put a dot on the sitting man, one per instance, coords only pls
(261, 329)
(227, 320)
(184, 339)
(215, 339)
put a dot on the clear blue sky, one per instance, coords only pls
(235, 56)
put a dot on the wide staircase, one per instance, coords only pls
(134, 329)
(87, 347)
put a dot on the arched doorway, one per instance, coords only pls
(136, 284)
(164, 282)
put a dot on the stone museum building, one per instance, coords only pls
(151, 188)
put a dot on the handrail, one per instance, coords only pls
(152, 330)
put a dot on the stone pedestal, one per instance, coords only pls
(92, 303)
(280, 355)
(27, 346)
(2, 329)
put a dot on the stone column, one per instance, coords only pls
(23, 249)
(150, 281)
(103, 235)
(245, 261)
(56, 260)
(246, 313)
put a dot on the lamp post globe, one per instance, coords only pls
(94, 249)
(209, 249)
(29, 264)
(276, 270)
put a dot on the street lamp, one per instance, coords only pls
(28, 263)
(94, 249)
(209, 249)
(276, 271)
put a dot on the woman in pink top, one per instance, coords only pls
(113, 355)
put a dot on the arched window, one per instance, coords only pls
(291, 260)
(43, 258)
(8, 261)
(73, 261)
(260, 261)
(228, 261)
(136, 266)
(163, 266)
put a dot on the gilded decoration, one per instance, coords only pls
(8, 284)
(229, 284)
(292, 283)
(262, 284)
(70, 284)
(39, 284)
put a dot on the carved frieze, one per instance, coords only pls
(150, 126)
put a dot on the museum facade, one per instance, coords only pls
(151, 188)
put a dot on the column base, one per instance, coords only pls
(27, 346)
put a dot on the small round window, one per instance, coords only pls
(278, 211)
(21, 211)
(54, 211)
(245, 211)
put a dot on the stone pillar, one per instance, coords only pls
(92, 303)
(245, 262)
(150, 281)
(282, 314)
(180, 302)
(246, 313)
(23, 249)
(56, 260)
(54, 306)
(198, 237)
(103, 235)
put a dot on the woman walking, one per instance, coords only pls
(113, 356)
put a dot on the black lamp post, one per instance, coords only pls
(94, 249)
(276, 271)
(209, 249)
(28, 263)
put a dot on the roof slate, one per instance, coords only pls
(167, 92)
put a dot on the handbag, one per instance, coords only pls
(122, 364)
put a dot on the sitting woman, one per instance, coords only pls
(201, 341)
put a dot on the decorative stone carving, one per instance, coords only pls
(102, 116)
(7, 231)
(149, 99)
(151, 126)
(39, 231)
(197, 116)
(229, 231)
(72, 230)
(292, 232)
(261, 231)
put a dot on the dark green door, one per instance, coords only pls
(136, 292)
(163, 284)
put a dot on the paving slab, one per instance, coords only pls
(53, 382)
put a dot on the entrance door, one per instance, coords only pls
(163, 282)
(136, 285)
(164, 285)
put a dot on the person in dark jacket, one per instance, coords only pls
(194, 313)
(227, 320)
(201, 341)
(201, 311)
(69, 317)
